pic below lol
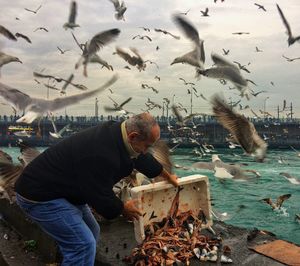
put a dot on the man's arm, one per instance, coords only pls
(150, 167)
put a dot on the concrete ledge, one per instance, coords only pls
(117, 240)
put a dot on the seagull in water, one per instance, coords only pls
(242, 130)
(291, 39)
(71, 22)
(36, 107)
(279, 201)
(290, 178)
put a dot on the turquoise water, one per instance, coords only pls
(229, 195)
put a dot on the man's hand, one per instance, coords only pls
(173, 179)
(130, 211)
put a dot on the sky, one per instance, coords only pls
(266, 32)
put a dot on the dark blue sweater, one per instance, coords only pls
(84, 168)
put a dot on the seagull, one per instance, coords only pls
(157, 77)
(61, 50)
(72, 17)
(298, 153)
(185, 13)
(33, 11)
(181, 120)
(258, 50)
(240, 33)
(290, 59)
(225, 170)
(242, 130)
(228, 71)
(279, 201)
(145, 29)
(151, 62)
(67, 82)
(142, 37)
(226, 52)
(5, 59)
(197, 56)
(242, 67)
(20, 35)
(58, 134)
(135, 60)
(205, 12)
(120, 9)
(291, 39)
(94, 45)
(260, 7)
(290, 178)
(256, 93)
(4, 31)
(187, 83)
(36, 107)
(117, 107)
(41, 28)
(166, 32)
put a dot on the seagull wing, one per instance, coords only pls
(5, 157)
(73, 12)
(285, 22)
(242, 130)
(161, 153)
(27, 153)
(281, 199)
(116, 4)
(7, 33)
(59, 103)
(15, 97)
(177, 113)
(287, 175)
(23, 36)
(63, 129)
(221, 61)
(101, 39)
(127, 57)
(189, 30)
(127, 101)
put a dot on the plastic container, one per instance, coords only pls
(154, 200)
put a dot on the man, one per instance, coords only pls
(55, 188)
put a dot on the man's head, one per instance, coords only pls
(142, 131)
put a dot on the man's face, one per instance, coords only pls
(142, 146)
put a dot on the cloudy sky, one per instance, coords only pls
(266, 32)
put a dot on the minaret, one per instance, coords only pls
(96, 107)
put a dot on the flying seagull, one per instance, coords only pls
(242, 130)
(205, 12)
(290, 59)
(224, 69)
(71, 24)
(279, 201)
(58, 134)
(41, 28)
(94, 45)
(226, 52)
(20, 35)
(166, 32)
(36, 107)
(135, 60)
(185, 13)
(197, 56)
(260, 7)
(33, 11)
(291, 39)
(5, 59)
(181, 120)
(120, 9)
(240, 33)
(117, 107)
(4, 31)
(61, 50)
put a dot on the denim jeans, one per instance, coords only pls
(73, 227)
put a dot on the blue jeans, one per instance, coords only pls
(73, 227)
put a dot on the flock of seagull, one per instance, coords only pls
(242, 131)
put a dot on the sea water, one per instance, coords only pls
(241, 199)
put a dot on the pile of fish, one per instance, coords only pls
(176, 240)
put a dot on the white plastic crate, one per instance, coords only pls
(158, 197)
